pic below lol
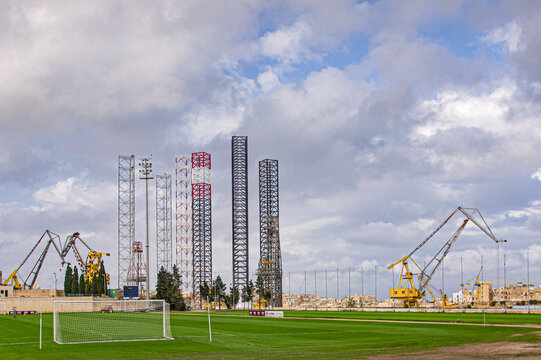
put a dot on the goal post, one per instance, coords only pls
(110, 320)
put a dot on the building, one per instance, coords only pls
(518, 293)
(6, 290)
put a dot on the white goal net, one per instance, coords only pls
(111, 320)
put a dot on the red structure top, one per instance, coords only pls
(201, 160)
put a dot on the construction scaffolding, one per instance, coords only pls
(270, 261)
(183, 224)
(126, 215)
(164, 245)
(202, 223)
(239, 170)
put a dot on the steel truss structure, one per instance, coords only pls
(126, 215)
(270, 261)
(137, 275)
(164, 245)
(202, 223)
(239, 170)
(183, 224)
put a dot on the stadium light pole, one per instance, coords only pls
(145, 173)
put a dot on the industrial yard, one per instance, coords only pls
(337, 179)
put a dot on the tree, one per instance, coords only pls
(232, 299)
(168, 288)
(247, 293)
(267, 295)
(103, 279)
(351, 302)
(163, 284)
(219, 290)
(206, 292)
(94, 285)
(175, 297)
(88, 287)
(82, 284)
(67, 281)
(75, 281)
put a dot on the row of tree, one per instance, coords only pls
(217, 292)
(168, 288)
(75, 284)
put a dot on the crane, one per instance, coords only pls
(406, 290)
(90, 267)
(31, 278)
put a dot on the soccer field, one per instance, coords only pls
(268, 338)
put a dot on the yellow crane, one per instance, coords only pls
(93, 263)
(480, 287)
(406, 290)
(89, 268)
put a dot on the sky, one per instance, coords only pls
(385, 116)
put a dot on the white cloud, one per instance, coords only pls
(461, 109)
(537, 175)
(509, 36)
(268, 80)
(289, 44)
(73, 194)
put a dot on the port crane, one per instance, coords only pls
(406, 290)
(89, 268)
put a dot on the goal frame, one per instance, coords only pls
(166, 323)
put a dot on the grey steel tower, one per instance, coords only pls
(164, 244)
(184, 233)
(270, 261)
(202, 223)
(126, 215)
(239, 170)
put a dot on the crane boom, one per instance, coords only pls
(487, 230)
(445, 248)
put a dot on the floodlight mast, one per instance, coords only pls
(145, 173)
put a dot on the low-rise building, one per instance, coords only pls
(6, 290)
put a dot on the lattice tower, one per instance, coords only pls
(137, 275)
(202, 223)
(239, 171)
(126, 215)
(270, 261)
(183, 225)
(164, 240)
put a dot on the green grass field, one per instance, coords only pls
(268, 338)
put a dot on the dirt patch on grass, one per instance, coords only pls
(499, 350)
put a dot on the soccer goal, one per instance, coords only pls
(110, 320)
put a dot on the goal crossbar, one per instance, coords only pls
(81, 321)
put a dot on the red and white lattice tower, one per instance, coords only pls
(202, 223)
(184, 234)
(137, 274)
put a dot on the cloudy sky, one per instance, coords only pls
(385, 117)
